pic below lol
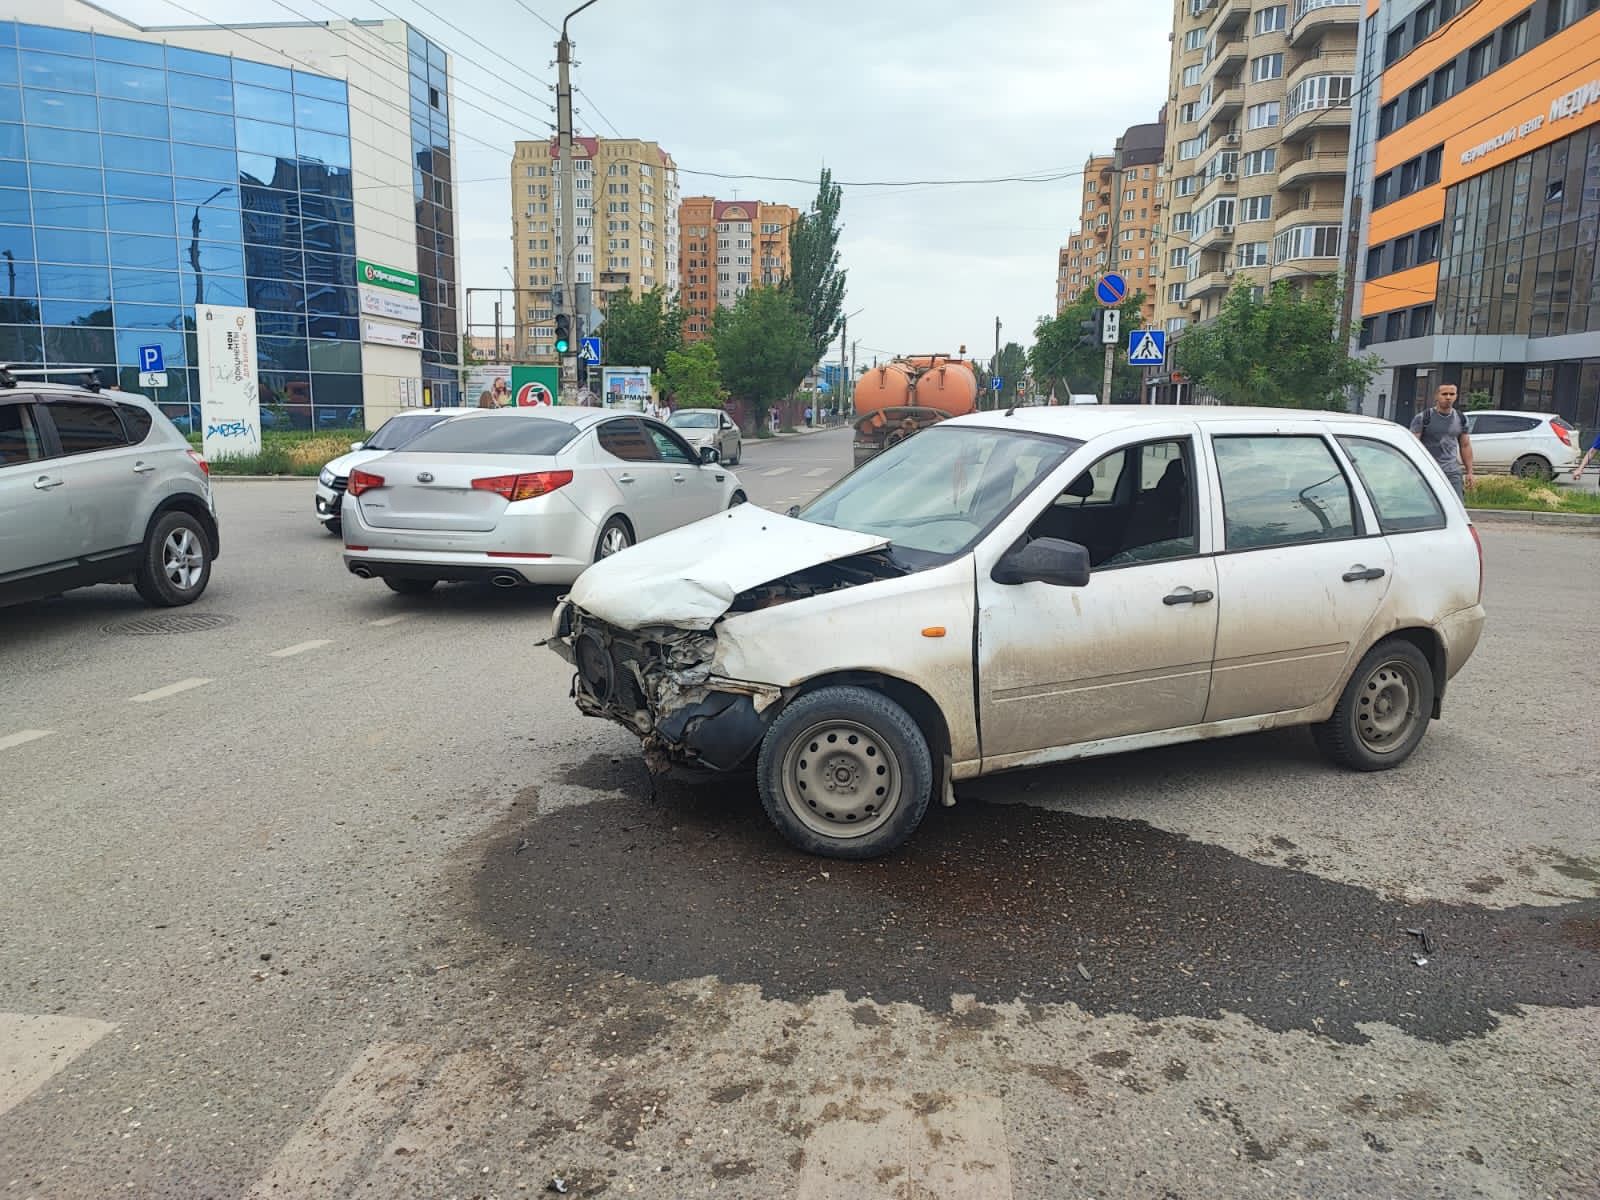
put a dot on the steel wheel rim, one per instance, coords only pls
(182, 559)
(1389, 707)
(613, 540)
(841, 779)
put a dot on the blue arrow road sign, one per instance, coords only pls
(1147, 347)
(589, 349)
(150, 359)
(997, 383)
(1110, 289)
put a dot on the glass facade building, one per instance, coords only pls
(432, 184)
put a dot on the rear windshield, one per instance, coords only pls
(693, 420)
(397, 431)
(508, 434)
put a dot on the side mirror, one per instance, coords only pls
(1044, 560)
(709, 455)
(794, 511)
(357, 445)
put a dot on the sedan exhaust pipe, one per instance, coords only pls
(361, 572)
(505, 579)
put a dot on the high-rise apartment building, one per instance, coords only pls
(1117, 223)
(1258, 138)
(727, 247)
(626, 225)
(1481, 142)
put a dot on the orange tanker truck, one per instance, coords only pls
(905, 395)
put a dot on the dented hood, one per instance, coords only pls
(689, 577)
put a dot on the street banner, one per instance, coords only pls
(382, 333)
(481, 379)
(377, 275)
(230, 390)
(397, 306)
(533, 386)
(625, 387)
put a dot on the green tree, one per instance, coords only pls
(693, 378)
(815, 281)
(1012, 366)
(763, 348)
(1279, 351)
(640, 332)
(1062, 365)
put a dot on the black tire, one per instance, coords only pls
(1532, 466)
(738, 454)
(613, 529)
(875, 745)
(175, 564)
(1364, 733)
(334, 527)
(410, 587)
(737, 499)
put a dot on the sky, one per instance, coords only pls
(877, 90)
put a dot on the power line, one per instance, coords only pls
(597, 111)
(537, 16)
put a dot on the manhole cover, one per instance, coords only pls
(173, 622)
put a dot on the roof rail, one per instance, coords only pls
(88, 377)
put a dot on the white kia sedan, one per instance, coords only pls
(1006, 590)
(509, 497)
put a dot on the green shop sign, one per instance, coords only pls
(373, 275)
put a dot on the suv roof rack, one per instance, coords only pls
(88, 377)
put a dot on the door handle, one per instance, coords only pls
(1200, 597)
(143, 468)
(1358, 572)
(45, 482)
(624, 478)
(677, 479)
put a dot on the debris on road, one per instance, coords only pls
(1084, 971)
(522, 845)
(557, 1184)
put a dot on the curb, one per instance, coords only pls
(264, 478)
(1522, 516)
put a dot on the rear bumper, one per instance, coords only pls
(475, 568)
(1460, 632)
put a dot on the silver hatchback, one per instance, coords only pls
(99, 487)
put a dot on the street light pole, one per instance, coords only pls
(567, 249)
(994, 367)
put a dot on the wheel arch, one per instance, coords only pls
(922, 707)
(1432, 646)
(196, 507)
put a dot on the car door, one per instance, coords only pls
(1302, 572)
(729, 441)
(1131, 652)
(1494, 440)
(32, 509)
(104, 479)
(696, 489)
(629, 457)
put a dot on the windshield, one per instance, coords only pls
(693, 420)
(939, 492)
(511, 433)
(397, 431)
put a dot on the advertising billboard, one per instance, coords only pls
(625, 387)
(533, 386)
(230, 395)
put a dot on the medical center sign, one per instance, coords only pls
(230, 396)
(1564, 107)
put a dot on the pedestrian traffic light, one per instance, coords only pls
(563, 333)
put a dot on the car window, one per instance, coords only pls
(1401, 497)
(397, 431)
(1153, 518)
(1499, 423)
(624, 438)
(136, 421)
(19, 436)
(1102, 485)
(83, 427)
(691, 419)
(1281, 491)
(494, 434)
(668, 445)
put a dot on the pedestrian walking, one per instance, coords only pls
(1443, 433)
(808, 416)
(1577, 471)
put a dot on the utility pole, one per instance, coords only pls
(1114, 258)
(994, 367)
(844, 335)
(567, 246)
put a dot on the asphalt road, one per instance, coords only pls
(342, 897)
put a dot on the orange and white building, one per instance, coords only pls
(726, 248)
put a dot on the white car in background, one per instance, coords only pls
(391, 435)
(527, 496)
(709, 427)
(1526, 444)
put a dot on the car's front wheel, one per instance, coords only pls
(176, 562)
(737, 499)
(845, 772)
(334, 527)
(1532, 466)
(1384, 711)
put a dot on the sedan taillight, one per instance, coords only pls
(1558, 426)
(363, 481)
(527, 486)
(200, 461)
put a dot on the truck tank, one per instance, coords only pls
(950, 387)
(888, 386)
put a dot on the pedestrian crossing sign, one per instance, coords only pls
(1147, 347)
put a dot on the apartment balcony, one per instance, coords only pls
(1218, 237)
(1323, 213)
(1223, 183)
(1333, 62)
(1212, 283)
(1224, 107)
(1316, 119)
(1330, 164)
(1311, 19)
(1304, 268)
(1231, 16)
(1224, 63)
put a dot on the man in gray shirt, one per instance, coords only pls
(1443, 433)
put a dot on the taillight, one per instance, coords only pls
(363, 481)
(1556, 425)
(526, 486)
(1478, 542)
(200, 461)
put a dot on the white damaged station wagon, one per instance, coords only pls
(1010, 589)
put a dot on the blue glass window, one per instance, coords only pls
(16, 242)
(342, 328)
(69, 210)
(146, 253)
(18, 310)
(417, 46)
(10, 104)
(202, 162)
(330, 149)
(320, 86)
(8, 33)
(336, 356)
(13, 173)
(76, 312)
(279, 391)
(274, 262)
(126, 82)
(63, 146)
(325, 181)
(68, 110)
(149, 316)
(75, 283)
(15, 209)
(261, 75)
(281, 354)
(281, 325)
(129, 183)
(21, 343)
(146, 287)
(263, 104)
(70, 246)
(140, 216)
(137, 154)
(215, 258)
(78, 345)
(115, 49)
(194, 91)
(270, 218)
(142, 120)
(331, 301)
(11, 142)
(9, 72)
(326, 208)
(264, 171)
(197, 62)
(68, 179)
(278, 294)
(53, 71)
(218, 222)
(341, 390)
(48, 37)
(190, 125)
(214, 289)
(173, 351)
(321, 114)
(329, 268)
(261, 137)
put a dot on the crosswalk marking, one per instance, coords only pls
(22, 737)
(300, 648)
(394, 620)
(774, 472)
(818, 472)
(172, 689)
(954, 1147)
(34, 1047)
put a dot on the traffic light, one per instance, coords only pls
(563, 334)
(1089, 331)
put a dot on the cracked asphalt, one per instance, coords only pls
(385, 917)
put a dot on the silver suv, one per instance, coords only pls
(97, 486)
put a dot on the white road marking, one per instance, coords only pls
(300, 648)
(818, 472)
(172, 689)
(775, 472)
(394, 620)
(33, 1048)
(23, 737)
(957, 1148)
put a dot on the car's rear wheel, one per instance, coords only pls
(738, 453)
(176, 562)
(845, 772)
(410, 587)
(616, 537)
(1384, 711)
(1532, 466)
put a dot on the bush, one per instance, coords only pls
(1505, 491)
(288, 452)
